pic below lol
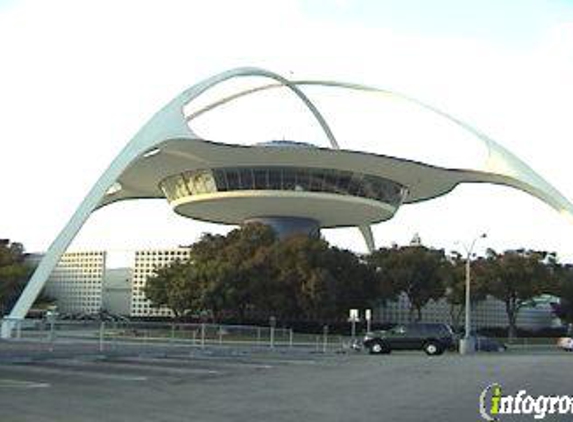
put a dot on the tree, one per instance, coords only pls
(221, 275)
(416, 270)
(242, 267)
(175, 286)
(381, 262)
(564, 290)
(356, 282)
(229, 268)
(302, 276)
(320, 282)
(13, 273)
(251, 272)
(455, 289)
(516, 277)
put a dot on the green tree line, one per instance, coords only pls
(13, 273)
(251, 272)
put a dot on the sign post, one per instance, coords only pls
(353, 319)
(368, 318)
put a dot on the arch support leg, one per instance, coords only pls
(54, 253)
(366, 231)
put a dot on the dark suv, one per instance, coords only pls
(431, 338)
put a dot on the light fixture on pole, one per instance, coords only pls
(467, 345)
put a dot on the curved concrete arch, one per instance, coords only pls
(170, 124)
(511, 170)
(167, 124)
(501, 166)
(283, 82)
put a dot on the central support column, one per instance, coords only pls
(288, 226)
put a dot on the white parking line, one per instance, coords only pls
(9, 383)
(188, 360)
(74, 372)
(257, 359)
(292, 361)
(162, 369)
(130, 363)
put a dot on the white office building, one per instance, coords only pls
(487, 313)
(145, 262)
(117, 290)
(77, 281)
(82, 283)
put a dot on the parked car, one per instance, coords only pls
(433, 339)
(565, 343)
(488, 344)
(483, 343)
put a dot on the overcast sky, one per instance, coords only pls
(79, 78)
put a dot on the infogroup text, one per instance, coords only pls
(494, 403)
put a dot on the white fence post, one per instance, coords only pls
(52, 335)
(273, 323)
(101, 336)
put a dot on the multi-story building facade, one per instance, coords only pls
(81, 283)
(77, 281)
(117, 290)
(145, 263)
(486, 313)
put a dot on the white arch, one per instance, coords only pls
(167, 124)
(501, 166)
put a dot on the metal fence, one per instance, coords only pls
(117, 335)
(113, 334)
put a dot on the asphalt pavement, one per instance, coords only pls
(188, 384)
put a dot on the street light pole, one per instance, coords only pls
(467, 346)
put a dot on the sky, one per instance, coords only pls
(79, 78)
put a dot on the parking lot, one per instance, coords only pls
(75, 383)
